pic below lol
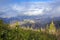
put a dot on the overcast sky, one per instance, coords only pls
(13, 8)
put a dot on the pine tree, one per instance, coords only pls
(52, 28)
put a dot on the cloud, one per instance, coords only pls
(30, 8)
(55, 12)
(34, 12)
(17, 7)
(38, 9)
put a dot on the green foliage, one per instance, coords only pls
(52, 27)
(21, 34)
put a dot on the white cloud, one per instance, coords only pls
(38, 9)
(17, 7)
(34, 12)
(30, 9)
(58, 9)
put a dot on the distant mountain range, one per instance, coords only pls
(39, 20)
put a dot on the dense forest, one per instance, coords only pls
(18, 33)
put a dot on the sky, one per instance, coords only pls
(13, 8)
